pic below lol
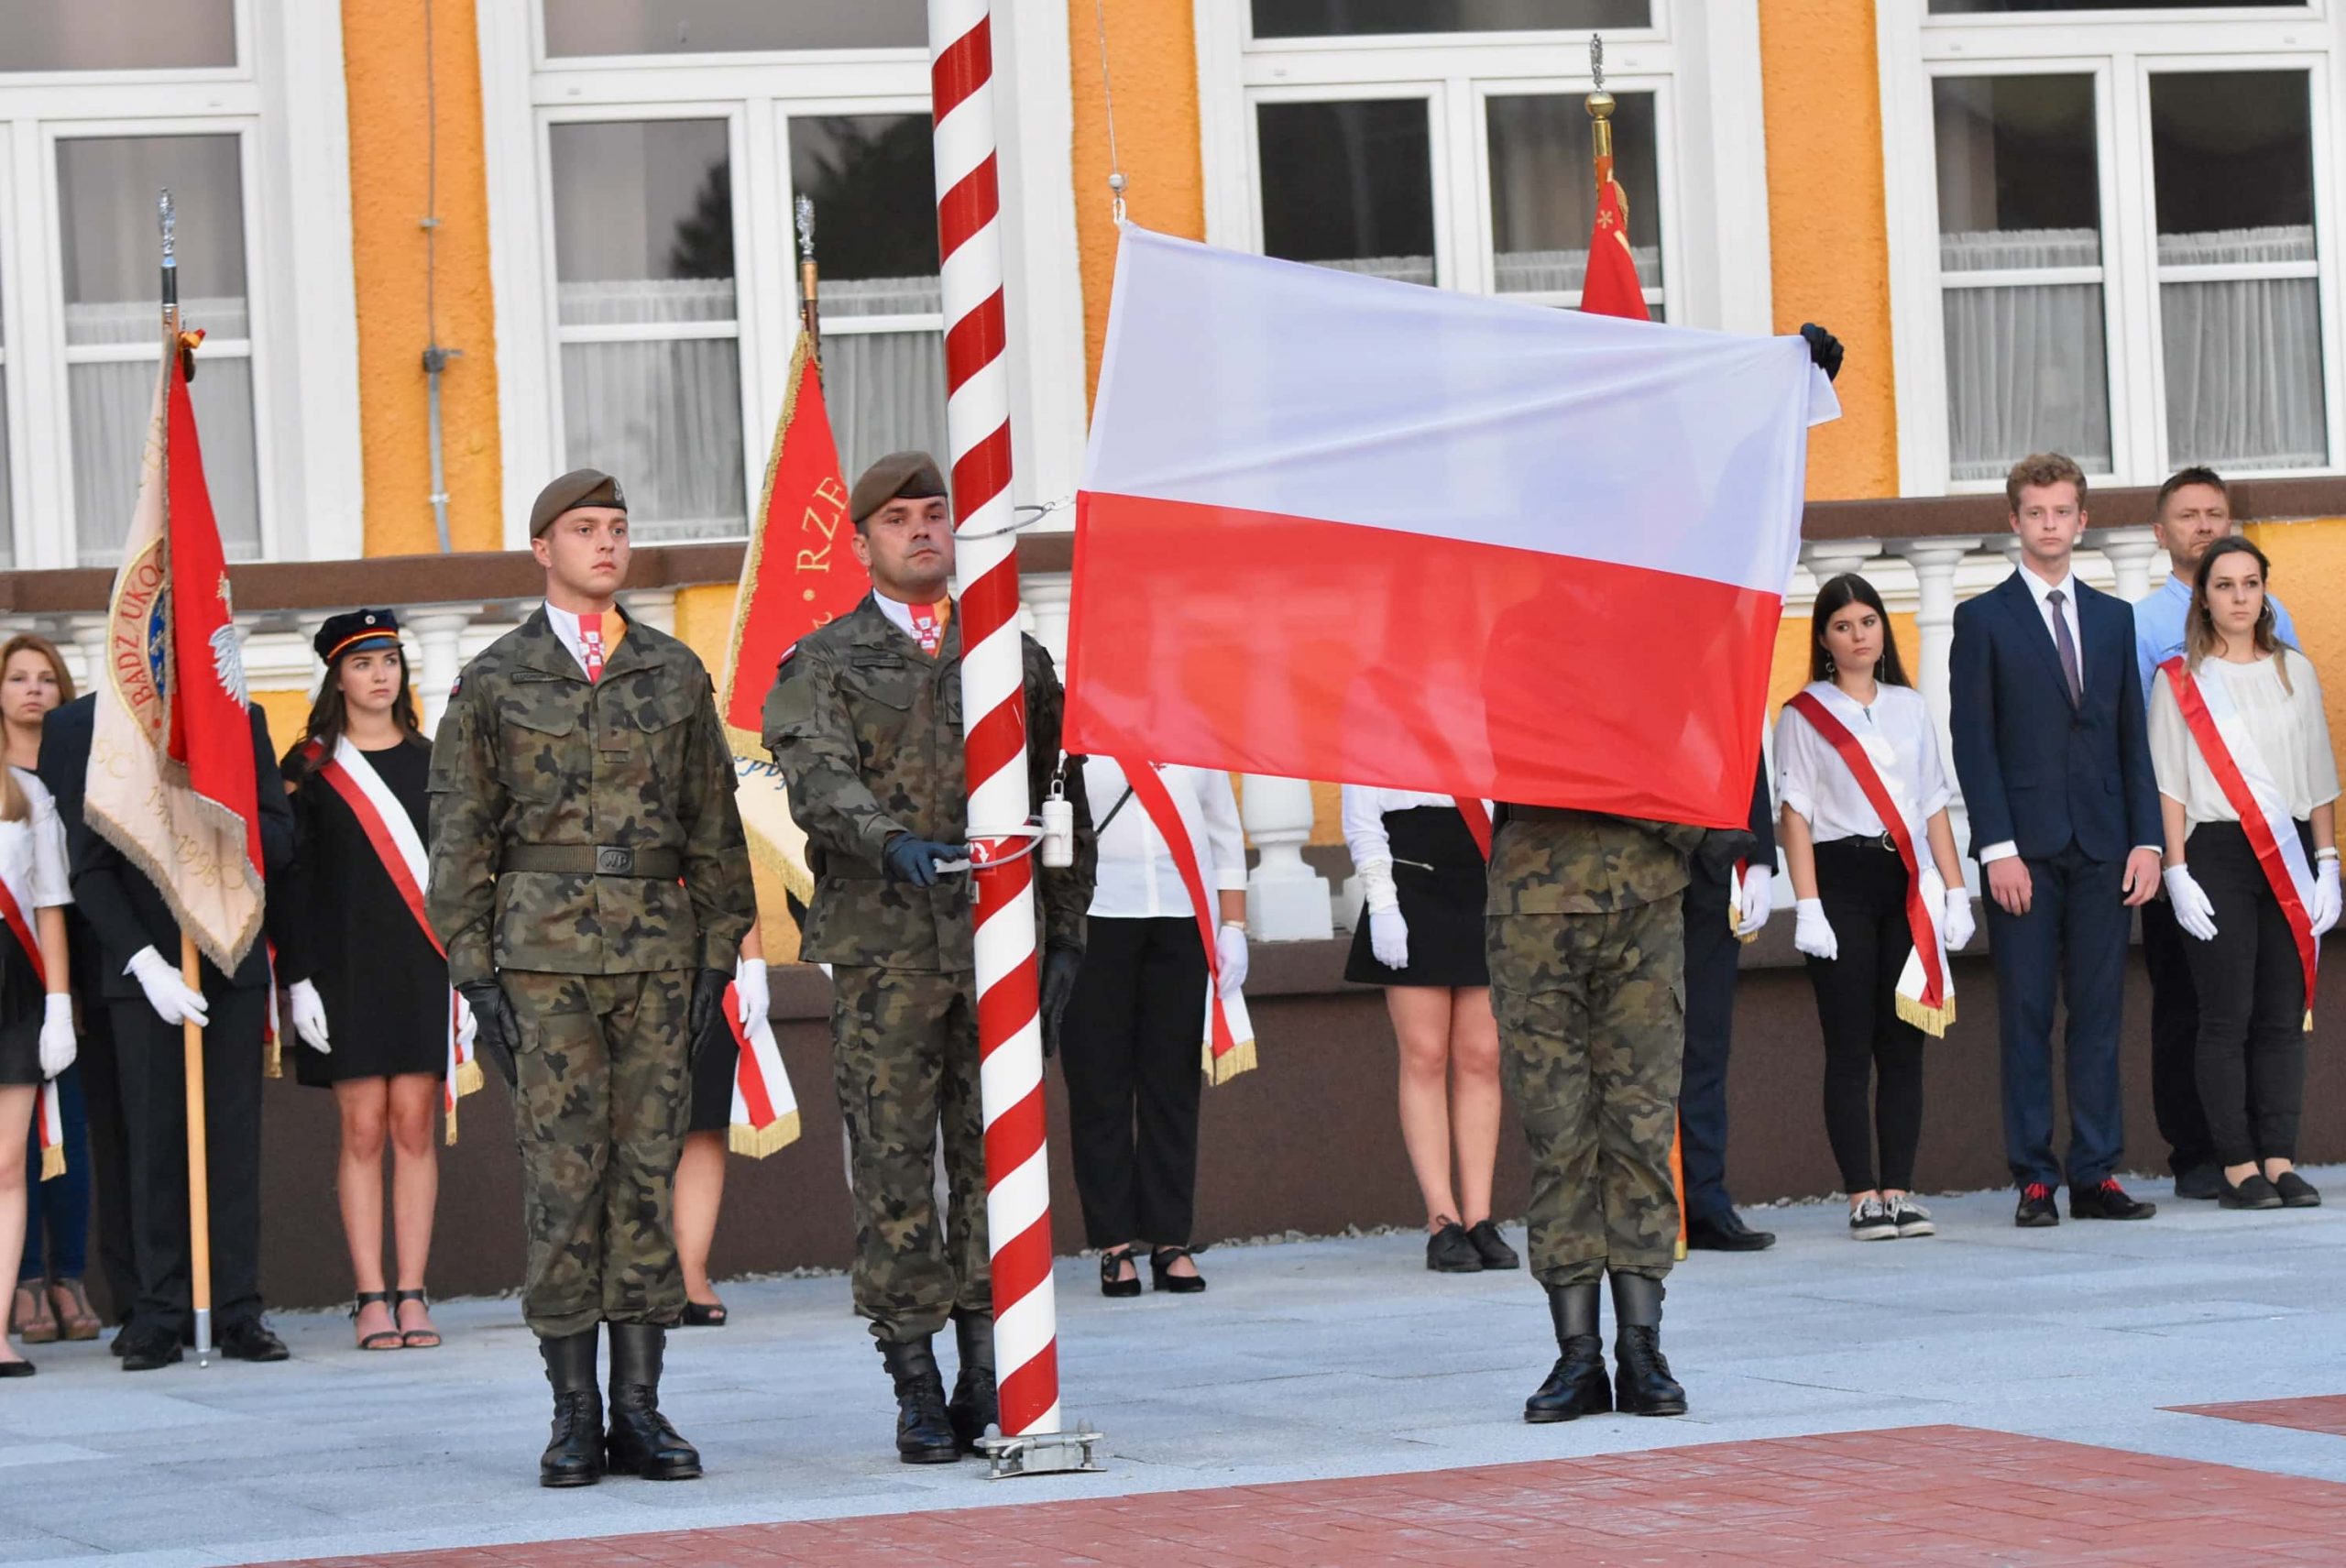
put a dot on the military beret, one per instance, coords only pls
(579, 488)
(906, 475)
(354, 630)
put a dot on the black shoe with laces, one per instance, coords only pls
(1578, 1383)
(1491, 1246)
(574, 1451)
(1725, 1232)
(2251, 1191)
(924, 1430)
(2105, 1200)
(2036, 1209)
(2295, 1191)
(1449, 1251)
(251, 1341)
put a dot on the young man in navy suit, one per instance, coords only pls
(2052, 750)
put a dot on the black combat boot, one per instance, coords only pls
(924, 1431)
(1643, 1383)
(642, 1442)
(1576, 1385)
(575, 1455)
(974, 1407)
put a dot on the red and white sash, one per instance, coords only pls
(765, 1110)
(15, 907)
(1229, 1045)
(400, 848)
(2230, 753)
(1926, 988)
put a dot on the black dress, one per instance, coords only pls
(385, 986)
(1441, 878)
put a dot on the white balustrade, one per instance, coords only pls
(1287, 901)
(439, 635)
(2129, 552)
(1046, 596)
(1935, 562)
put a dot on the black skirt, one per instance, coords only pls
(713, 1073)
(23, 997)
(1439, 872)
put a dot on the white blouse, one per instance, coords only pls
(1364, 807)
(1137, 878)
(1898, 734)
(32, 852)
(2289, 727)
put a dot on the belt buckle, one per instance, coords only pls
(612, 860)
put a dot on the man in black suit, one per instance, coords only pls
(139, 982)
(2051, 748)
(1724, 909)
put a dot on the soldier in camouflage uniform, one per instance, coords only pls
(591, 884)
(865, 723)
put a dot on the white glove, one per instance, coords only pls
(308, 1011)
(58, 1047)
(1960, 928)
(467, 1027)
(1230, 957)
(1754, 899)
(2193, 910)
(173, 1000)
(1388, 938)
(750, 989)
(2327, 903)
(1812, 933)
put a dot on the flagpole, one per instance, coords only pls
(810, 312)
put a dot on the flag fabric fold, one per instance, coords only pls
(765, 1108)
(1228, 1048)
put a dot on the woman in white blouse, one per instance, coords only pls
(1422, 873)
(1854, 919)
(2271, 742)
(35, 1004)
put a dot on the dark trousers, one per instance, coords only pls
(1131, 1050)
(1712, 955)
(2252, 1056)
(2072, 941)
(57, 1218)
(2174, 1040)
(99, 1064)
(1873, 1058)
(151, 1065)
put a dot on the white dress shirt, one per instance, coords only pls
(1364, 807)
(1897, 733)
(1137, 878)
(32, 852)
(2287, 724)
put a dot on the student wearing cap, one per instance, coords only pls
(865, 723)
(372, 1017)
(590, 884)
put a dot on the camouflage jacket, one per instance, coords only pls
(529, 752)
(867, 731)
(1549, 861)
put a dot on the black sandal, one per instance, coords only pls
(1112, 1264)
(1160, 1259)
(416, 1339)
(384, 1339)
(709, 1316)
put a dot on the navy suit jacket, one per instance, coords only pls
(2036, 771)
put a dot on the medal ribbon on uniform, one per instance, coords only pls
(929, 622)
(1229, 1048)
(2230, 753)
(47, 1115)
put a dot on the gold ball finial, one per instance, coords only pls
(1600, 104)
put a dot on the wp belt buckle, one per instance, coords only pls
(614, 859)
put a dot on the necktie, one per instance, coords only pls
(2069, 648)
(590, 645)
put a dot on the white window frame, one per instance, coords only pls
(1700, 59)
(522, 91)
(2123, 50)
(284, 100)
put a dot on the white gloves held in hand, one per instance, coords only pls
(2327, 902)
(308, 1015)
(1388, 938)
(173, 1000)
(1812, 933)
(1230, 958)
(1754, 898)
(58, 1045)
(750, 989)
(1957, 926)
(2193, 909)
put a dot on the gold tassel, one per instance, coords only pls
(758, 1142)
(2309, 1020)
(1932, 1021)
(1239, 1059)
(468, 1081)
(450, 1139)
(52, 1163)
(274, 1065)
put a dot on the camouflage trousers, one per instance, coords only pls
(602, 1095)
(1592, 1021)
(905, 1058)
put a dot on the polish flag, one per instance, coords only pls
(1334, 527)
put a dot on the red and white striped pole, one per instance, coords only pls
(993, 704)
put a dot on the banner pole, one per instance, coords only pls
(199, 1165)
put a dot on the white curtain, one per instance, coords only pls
(1563, 271)
(1401, 268)
(2026, 366)
(662, 414)
(884, 390)
(2244, 357)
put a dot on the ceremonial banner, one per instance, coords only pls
(1336, 527)
(171, 781)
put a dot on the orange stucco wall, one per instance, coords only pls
(389, 147)
(2310, 576)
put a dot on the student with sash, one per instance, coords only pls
(1872, 859)
(372, 1009)
(35, 1008)
(2248, 786)
(709, 1134)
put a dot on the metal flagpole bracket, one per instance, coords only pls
(1041, 1453)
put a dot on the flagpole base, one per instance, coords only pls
(1040, 1453)
(203, 1336)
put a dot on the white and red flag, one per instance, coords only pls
(1335, 527)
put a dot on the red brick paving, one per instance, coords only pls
(1921, 1495)
(2325, 1412)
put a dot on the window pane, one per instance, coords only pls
(1350, 185)
(644, 239)
(1353, 18)
(105, 208)
(116, 35)
(2231, 162)
(2017, 154)
(1960, 7)
(7, 527)
(716, 26)
(1543, 189)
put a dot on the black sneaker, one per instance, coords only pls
(2105, 1200)
(2036, 1209)
(2252, 1192)
(1911, 1218)
(1491, 1246)
(2295, 1191)
(1870, 1222)
(1449, 1251)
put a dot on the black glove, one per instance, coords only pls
(496, 1032)
(705, 1018)
(1824, 348)
(1061, 965)
(907, 858)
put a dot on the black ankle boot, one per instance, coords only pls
(642, 1442)
(1643, 1383)
(1576, 1385)
(574, 1457)
(924, 1431)
(974, 1405)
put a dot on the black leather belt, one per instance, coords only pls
(592, 860)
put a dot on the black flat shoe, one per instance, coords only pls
(1163, 1257)
(2295, 1191)
(17, 1369)
(1725, 1232)
(708, 1315)
(1112, 1264)
(1491, 1246)
(2201, 1182)
(2252, 1193)
(1449, 1251)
